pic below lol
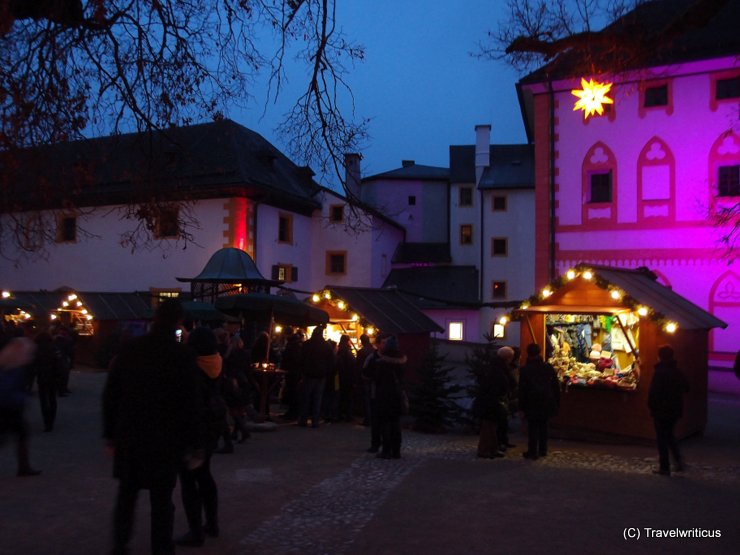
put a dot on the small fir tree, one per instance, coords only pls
(434, 398)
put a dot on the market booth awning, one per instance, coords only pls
(601, 328)
(386, 309)
(264, 307)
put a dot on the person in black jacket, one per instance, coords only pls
(47, 367)
(386, 372)
(665, 401)
(151, 420)
(316, 360)
(539, 399)
(490, 400)
(197, 486)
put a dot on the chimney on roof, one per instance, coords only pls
(482, 150)
(352, 174)
(407, 163)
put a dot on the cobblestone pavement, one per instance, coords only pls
(306, 491)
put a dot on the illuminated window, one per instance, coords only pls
(158, 295)
(466, 196)
(336, 262)
(601, 187)
(168, 224)
(498, 291)
(499, 331)
(284, 272)
(285, 228)
(336, 213)
(499, 246)
(66, 229)
(499, 203)
(455, 331)
(728, 181)
(466, 234)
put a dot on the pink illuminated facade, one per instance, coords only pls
(639, 185)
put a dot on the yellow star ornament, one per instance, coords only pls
(592, 97)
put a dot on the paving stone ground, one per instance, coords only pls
(316, 491)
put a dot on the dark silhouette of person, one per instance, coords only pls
(317, 359)
(15, 355)
(47, 366)
(197, 485)
(665, 401)
(539, 399)
(151, 420)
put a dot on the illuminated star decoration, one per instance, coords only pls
(592, 97)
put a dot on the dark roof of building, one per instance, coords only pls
(437, 286)
(511, 166)
(386, 309)
(230, 265)
(411, 253)
(642, 285)
(410, 171)
(198, 161)
(285, 309)
(647, 26)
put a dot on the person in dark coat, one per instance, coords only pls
(366, 349)
(386, 371)
(15, 355)
(346, 371)
(197, 486)
(489, 403)
(291, 364)
(316, 360)
(151, 421)
(369, 355)
(48, 369)
(665, 401)
(539, 399)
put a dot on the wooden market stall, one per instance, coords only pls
(357, 310)
(601, 328)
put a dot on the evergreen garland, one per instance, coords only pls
(433, 399)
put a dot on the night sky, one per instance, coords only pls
(418, 83)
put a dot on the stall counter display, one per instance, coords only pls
(580, 348)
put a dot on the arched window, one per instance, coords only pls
(599, 177)
(656, 182)
(724, 171)
(724, 303)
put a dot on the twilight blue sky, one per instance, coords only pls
(419, 84)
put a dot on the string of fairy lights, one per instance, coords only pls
(326, 296)
(616, 293)
(71, 303)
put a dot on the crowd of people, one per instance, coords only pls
(180, 394)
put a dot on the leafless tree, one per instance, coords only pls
(75, 68)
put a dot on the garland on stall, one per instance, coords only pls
(589, 274)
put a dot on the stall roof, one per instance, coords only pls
(387, 309)
(642, 286)
(263, 306)
(103, 306)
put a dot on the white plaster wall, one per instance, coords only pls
(459, 215)
(385, 240)
(426, 221)
(269, 251)
(517, 225)
(100, 263)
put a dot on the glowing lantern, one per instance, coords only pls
(616, 295)
(6, 294)
(341, 305)
(592, 97)
(571, 274)
(503, 321)
(278, 328)
(671, 327)
(588, 274)
(546, 292)
(642, 311)
(315, 298)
